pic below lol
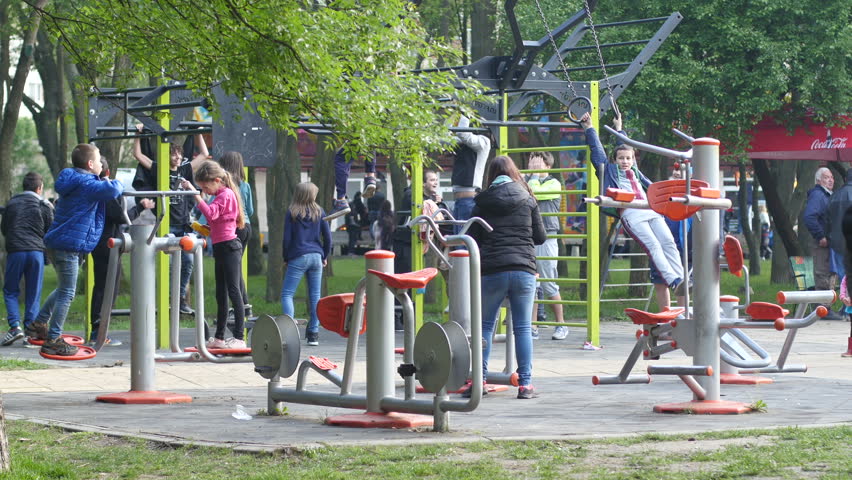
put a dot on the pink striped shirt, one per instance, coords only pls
(221, 215)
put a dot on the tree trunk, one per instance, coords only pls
(79, 100)
(47, 116)
(777, 185)
(5, 455)
(281, 180)
(482, 28)
(15, 98)
(752, 247)
(255, 249)
(112, 149)
(322, 175)
(757, 232)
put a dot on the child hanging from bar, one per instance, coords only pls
(647, 227)
(342, 165)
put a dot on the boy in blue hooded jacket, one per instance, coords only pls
(75, 231)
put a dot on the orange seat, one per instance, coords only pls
(405, 281)
(765, 312)
(660, 194)
(647, 318)
(733, 255)
(333, 311)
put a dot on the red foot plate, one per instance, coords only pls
(70, 339)
(222, 351)
(83, 353)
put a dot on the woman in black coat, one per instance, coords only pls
(508, 259)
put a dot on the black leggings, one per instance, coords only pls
(227, 258)
(243, 235)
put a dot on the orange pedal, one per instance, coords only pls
(323, 363)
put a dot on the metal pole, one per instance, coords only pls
(460, 298)
(706, 268)
(380, 341)
(142, 309)
(174, 311)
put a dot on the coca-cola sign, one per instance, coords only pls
(829, 143)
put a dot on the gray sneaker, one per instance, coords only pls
(560, 333)
(12, 336)
(535, 335)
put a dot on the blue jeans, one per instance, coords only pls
(29, 265)
(55, 308)
(186, 262)
(462, 210)
(309, 264)
(837, 264)
(520, 288)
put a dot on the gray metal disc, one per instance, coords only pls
(432, 356)
(460, 346)
(275, 346)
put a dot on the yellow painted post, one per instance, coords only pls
(163, 170)
(416, 244)
(593, 309)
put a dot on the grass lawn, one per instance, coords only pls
(17, 364)
(40, 452)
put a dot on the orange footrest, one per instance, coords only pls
(765, 312)
(83, 353)
(640, 317)
(323, 363)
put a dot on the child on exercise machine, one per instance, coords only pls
(647, 227)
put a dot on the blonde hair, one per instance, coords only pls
(304, 203)
(233, 163)
(209, 171)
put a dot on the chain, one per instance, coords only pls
(600, 56)
(556, 49)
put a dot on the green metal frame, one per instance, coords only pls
(592, 235)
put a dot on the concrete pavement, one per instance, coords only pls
(569, 405)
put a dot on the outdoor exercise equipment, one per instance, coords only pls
(740, 354)
(143, 246)
(439, 357)
(698, 333)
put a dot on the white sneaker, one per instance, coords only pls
(590, 346)
(215, 343)
(235, 343)
(560, 333)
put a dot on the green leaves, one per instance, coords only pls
(343, 64)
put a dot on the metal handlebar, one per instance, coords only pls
(161, 194)
(683, 135)
(648, 147)
(433, 225)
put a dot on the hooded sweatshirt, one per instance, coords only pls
(517, 228)
(303, 235)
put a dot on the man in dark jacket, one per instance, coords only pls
(816, 220)
(25, 221)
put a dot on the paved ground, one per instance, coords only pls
(569, 405)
